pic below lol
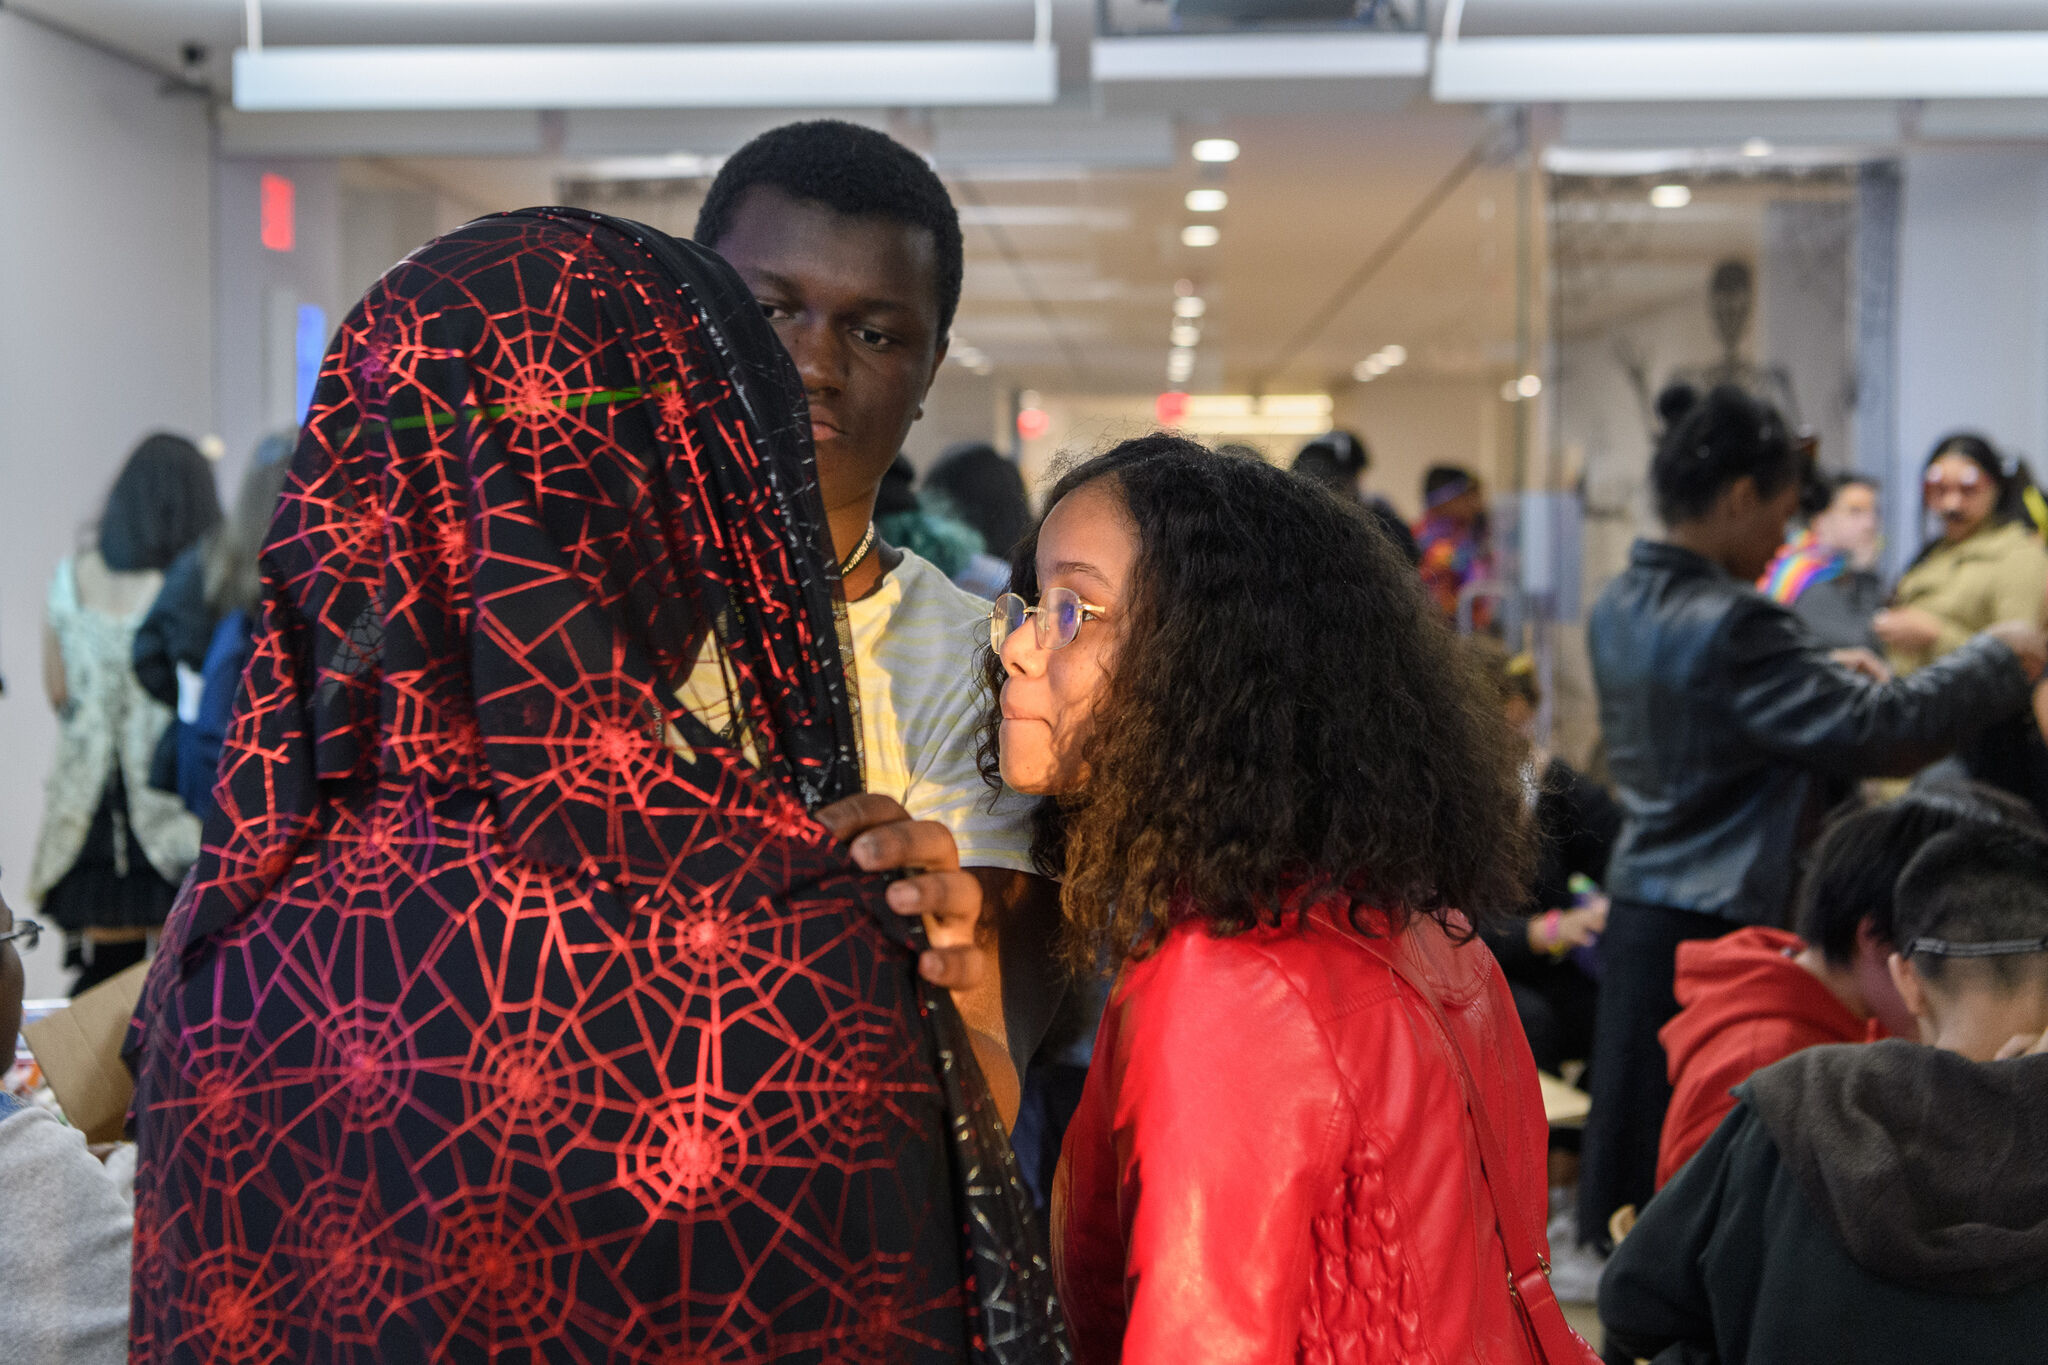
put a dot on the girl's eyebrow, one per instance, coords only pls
(1079, 568)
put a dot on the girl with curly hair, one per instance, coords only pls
(1272, 784)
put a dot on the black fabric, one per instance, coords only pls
(1628, 1080)
(1732, 1263)
(1839, 610)
(112, 884)
(1725, 722)
(1927, 1167)
(177, 629)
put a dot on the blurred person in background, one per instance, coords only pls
(1883, 1203)
(1451, 539)
(1549, 950)
(1987, 564)
(65, 1227)
(1576, 825)
(1287, 1148)
(904, 520)
(113, 847)
(976, 484)
(1828, 573)
(1338, 460)
(172, 641)
(1730, 730)
(231, 590)
(1760, 994)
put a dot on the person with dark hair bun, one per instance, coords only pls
(1338, 460)
(1274, 784)
(1728, 727)
(112, 847)
(1987, 564)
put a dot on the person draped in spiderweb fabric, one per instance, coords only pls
(510, 1012)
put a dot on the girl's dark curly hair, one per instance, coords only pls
(1287, 718)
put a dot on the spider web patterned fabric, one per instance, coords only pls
(507, 1015)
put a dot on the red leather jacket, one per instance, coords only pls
(1272, 1163)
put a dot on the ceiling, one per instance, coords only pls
(1072, 269)
(1073, 214)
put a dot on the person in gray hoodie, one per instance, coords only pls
(1877, 1202)
(65, 1229)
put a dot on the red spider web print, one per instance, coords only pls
(495, 1023)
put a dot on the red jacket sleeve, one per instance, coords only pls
(1212, 1136)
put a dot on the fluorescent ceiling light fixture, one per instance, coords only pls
(1790, 66)
(1200, 234)
(1215, 149)
(647, 75)
(1189, 306)
(1207, 201)
(1195, 58)
(1756, 146)
(1186, 334)
(1670, 196)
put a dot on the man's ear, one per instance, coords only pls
(1912, 990)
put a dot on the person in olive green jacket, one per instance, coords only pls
(1987, 565)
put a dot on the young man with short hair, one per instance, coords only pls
(1885, 1202)
(853, 248)
(1761, 994)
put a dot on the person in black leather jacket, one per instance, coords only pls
(1729, 729)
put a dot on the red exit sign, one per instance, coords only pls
(279, 213)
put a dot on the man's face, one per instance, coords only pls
(855, 301)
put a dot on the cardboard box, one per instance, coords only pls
(79, 1050)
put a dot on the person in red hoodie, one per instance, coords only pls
(1760, 994)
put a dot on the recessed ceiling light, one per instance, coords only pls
(1207, 201)
(1189, 307)
(1670, 196)
(1215, 149)
(1364, 373)
(1184, 288)
(1528, 386)
(1185, 334)
(1394, 355)
(1756, 146)
(1200, 234)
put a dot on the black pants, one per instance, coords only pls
(1629, 1085)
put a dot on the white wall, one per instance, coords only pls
(105, 334)
(1972, 313)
